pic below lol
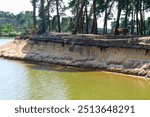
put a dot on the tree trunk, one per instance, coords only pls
(141, 19)
(107, 13)
(105, 23)
(34, 14)
(94, 25)
(74, 31)
(137, 19)
(118, 17)
(82, 24)
(126, 15)
(58, 15)
(141, 23)
(87, 22)
(144, 30)
(49, 22)
(133, 22)
(42, 30)
(78, 3)
(137, 23)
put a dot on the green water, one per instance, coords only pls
(20, 80)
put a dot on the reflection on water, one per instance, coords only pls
(46, 85)
(13, 80)
(20, 80)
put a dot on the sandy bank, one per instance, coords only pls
(126, 55)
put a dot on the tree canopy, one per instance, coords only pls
(86, 16)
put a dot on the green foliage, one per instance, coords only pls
(6, 15)
(122, 23)
(34, 1)
(113, 24)
(0, 31)
(25, 20)
(67, 24)
(73, 6)
(101, 6)
(8, 29)
(147, 25)
(14, 24)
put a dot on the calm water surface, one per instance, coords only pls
(20, 80)
(5, 40)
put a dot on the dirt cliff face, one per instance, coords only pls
(131, 56)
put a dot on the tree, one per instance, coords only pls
(8, 28)
(86, 10)
(54, 23)
(126, 13)
(147, 25)
(108, 7)
(52, 7)
(78, 15)
(87, 18)
(58, 15)
(132, 19)
(34, 2)
(49, 8)
(94, 26)
(0, 31)
(67, 24)
(120, 4)
(42, 28)
(25, 20)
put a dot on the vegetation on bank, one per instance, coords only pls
(52, 16)
(12, 25)
(8, 30)
(129, 14)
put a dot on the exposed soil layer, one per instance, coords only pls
(124, 54)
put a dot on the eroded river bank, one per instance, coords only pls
(124, 55)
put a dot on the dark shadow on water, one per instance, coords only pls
(57, 68)
(51, 67)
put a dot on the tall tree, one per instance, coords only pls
(108, 7)
(25, 19)
(78, 17)
(48, 14)
(141, 17)
(94, 25)
(120, 4)
(58, 15)
(34, 2)
(132, 21)
(87, 19)
(126, 13)
(42, 28)
(137, 14)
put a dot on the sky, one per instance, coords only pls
(15, 6)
